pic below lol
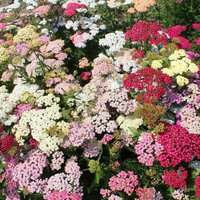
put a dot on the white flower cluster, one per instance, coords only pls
(86, 23)
(37, 122)
(115, 41)
(47, 100)
(128, 124)
(8, 101)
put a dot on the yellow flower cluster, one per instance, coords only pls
(28, 33)
(4, 54)
(141, 5)
(179, 66)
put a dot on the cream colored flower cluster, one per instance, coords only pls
(178, 66)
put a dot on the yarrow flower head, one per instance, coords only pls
(147, 31)
(178, 145)
(147, 149)
(150, 81)
(176, 178)
(124, 181)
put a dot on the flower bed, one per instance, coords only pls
(99, 100)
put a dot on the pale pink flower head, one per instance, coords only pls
(3, 26)
(79, 39)
(6, 75)
(22, 49)
(64, 87)
(2, 41)
(42, 10)
(44, 38)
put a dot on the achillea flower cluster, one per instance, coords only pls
(63, 195)
(72, 7)
(197, 187)
(102, 66)
(148, 194)
(147, 149)
(6, 143)
(143, 5)
(178, 145)
(196, 26)
(78, 134)
(118, 100)
(69, 180)
(176, 178)
(147, 31)
(102, 122)
(28, 174)
(175, 33)
(179, 194)
(150, 81)
(124, 181)
(150, 113)
(42, 10)
(57, 160)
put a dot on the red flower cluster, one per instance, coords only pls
(138, 54)
(150, 82)
(143, 31)
(197, 186)
(176, 179)
(175, 31)
(178, 145)
(6, 143)
(72, 7)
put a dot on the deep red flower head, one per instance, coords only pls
(33, 143)
(149, 82)
(176, 178)
(144, 31)
(6, 143)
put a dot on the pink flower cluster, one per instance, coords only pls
(102, 66)
(63, 195)
(178, 146)
(79, 133)
(67, 180)
(102, 123)
(57, 160)
(27, 174)
(118, 100)
(176, 178)
(124, 181)
(80, 38)
(42, 10)
(147, 149)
